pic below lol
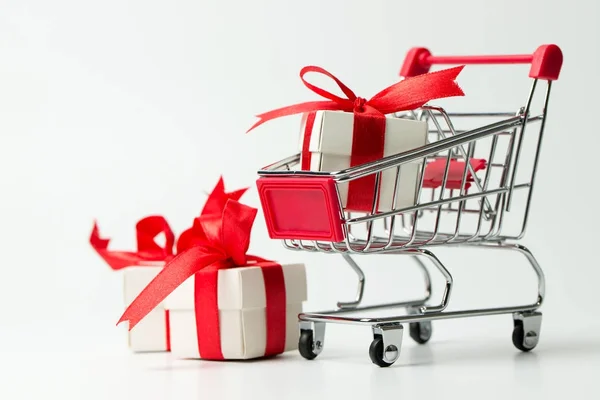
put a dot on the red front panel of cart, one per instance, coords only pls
(301, 208)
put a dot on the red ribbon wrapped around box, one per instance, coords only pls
(218, 239)
(369, 118)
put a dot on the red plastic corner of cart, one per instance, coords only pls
(414, 62)
(546, 63)
(301, 208)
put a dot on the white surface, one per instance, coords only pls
(115, 110)
(331, 148)
(465, 361)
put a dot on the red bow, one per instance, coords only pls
(147, 229)
(216, 242)
(407, 94)
(214, 206)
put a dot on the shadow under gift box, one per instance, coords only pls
(330, 148)
(242, 312)
(153, 332)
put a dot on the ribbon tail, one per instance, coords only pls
(172, 275)
(116, 260)
(414, 92)
(97, 242)
(299, 109)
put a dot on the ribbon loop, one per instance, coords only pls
(148, 229)
(323, 93)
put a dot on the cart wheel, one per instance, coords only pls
(376, 353)
(420, 331)
(306, 344)
(518, 337)
(526, 331)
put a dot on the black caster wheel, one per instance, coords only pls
(376, 353)
(420, 332)
(518, 337)
(306, 344)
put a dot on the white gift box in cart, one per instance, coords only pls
(242, 312)
(331, 148)
(153, 332)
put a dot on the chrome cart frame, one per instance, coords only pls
(486, 208)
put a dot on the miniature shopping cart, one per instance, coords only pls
(474, 189)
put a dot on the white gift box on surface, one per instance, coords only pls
(331, 148)
(152, 333)
(242, 312)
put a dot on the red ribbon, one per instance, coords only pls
(147, 229)
(218, 239)
(215, 242)
(369, 118)
(168, 330)
(408, 94)
(148, 250)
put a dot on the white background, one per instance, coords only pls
(114, 110)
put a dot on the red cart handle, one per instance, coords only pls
(545, 62)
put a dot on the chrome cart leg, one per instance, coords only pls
(361, 284)
(387, 341)
(527, 325)
(426, 277)
(312, 339)
(536, 268)
(541, 279)
(354, 305)
(421, 332)
(526, 332)
(527, 321)
(449, 282)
